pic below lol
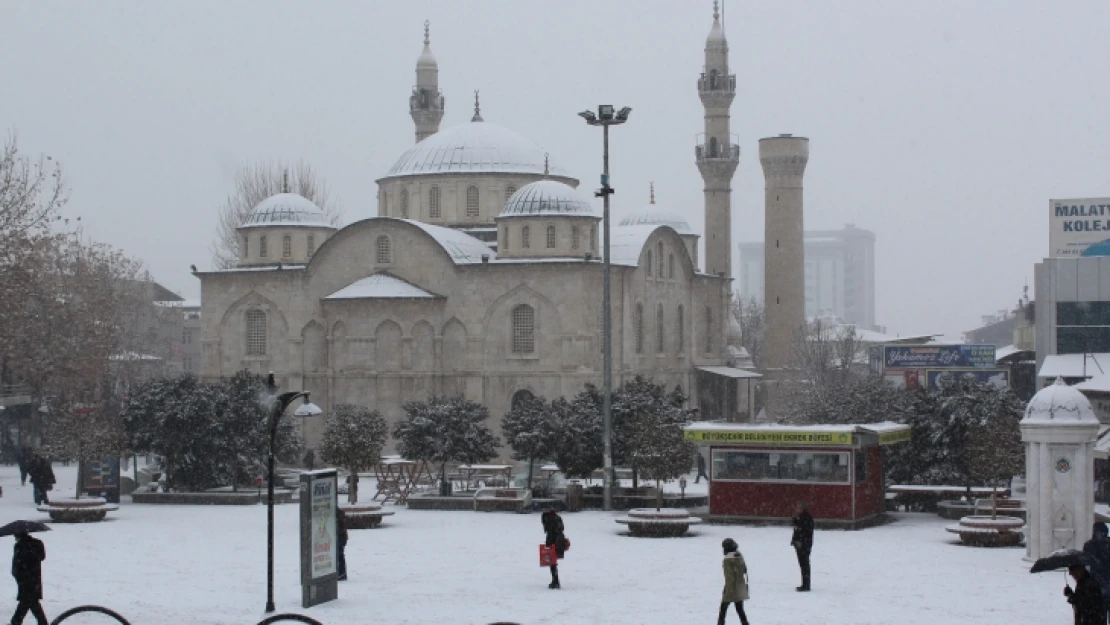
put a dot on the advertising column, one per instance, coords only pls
(319, 538)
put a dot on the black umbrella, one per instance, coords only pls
(1063, 559)
(23, 527)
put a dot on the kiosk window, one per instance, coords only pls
(761, 466)
(861, 466)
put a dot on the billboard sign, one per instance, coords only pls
(1079, 227)
(995, 377)
(319, 536)
(938, 356)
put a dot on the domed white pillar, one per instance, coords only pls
(1059, 431)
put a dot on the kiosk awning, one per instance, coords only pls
(730, 372)
(888, 432)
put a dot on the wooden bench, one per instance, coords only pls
(518, 500)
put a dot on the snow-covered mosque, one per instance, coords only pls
(482, 275)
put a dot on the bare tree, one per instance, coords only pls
(827, 353)
(32, 192)
(753, 328)
(256, 183)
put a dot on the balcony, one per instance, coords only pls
(425, 100)
(714, 150)
(717, 82)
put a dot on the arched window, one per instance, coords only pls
(506, 242)
(650, 264)
(708, 330)
(574, 237)
(509, 191)
(262, 246)
(525, 237)
(713, 79)
(472, 201)
(524, 329)
(670, 266)
(256, 332)
(638, 326)
(404, 203)
(659, 329)
(712, 147)
(681, 332)
(550, 237)
(433, 203)
(311, 244)
(246, 247)
(660, 246)
(593, 238)
(286, 246)
(521, 396)
(384, 250)
(385, 205)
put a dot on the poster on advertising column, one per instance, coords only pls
(319, 536)
(1079, 227)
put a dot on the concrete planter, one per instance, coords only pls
(88, 510)
(652, 523)
(983, 531)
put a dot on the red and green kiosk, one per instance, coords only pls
(759, 472)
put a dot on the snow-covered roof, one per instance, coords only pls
(381, 286)
(730, 372)
(475, 147)
(460, 246)
(286, 209)
(1098, 384)
(1059, 403)
(1075, 365)
(277, 267)
(627, 242)
(655, 215)
(547, 198)
(781, 434)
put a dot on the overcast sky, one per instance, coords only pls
(943, 127)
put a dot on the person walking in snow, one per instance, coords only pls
(309, 459)
(1086, 599)
(554, 537)
(27, 570)
(42, 477)
(736, 582)
(341, 534)
(24, 461)
(1099, 549)
(802, 541)
(701, 469)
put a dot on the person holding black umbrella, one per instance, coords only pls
(27, 570)
(1086, 599)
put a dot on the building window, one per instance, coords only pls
(404, 203)
(384, 250)
(520, 397)
(286, 246)
(659, 329)
(256, 332)
(524, 329)
(550, 237)
(187, 364)
(525, 237)
(574, 237)
(708, 330)
(681, 331)
(660, 260)
(433, 203)
(385, 205)
(246, 247)
(472, 201)
(505, 243)
(509, 191)
(311, 244)
(638, 326)
(761, 466)
(670, 266)
(186, 337)
(593, 238)
(262, 246)
(649, 263)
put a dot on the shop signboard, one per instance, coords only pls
(938, 356)
(995, 377)
(1079, 227)
(770, 437)
(319, 499)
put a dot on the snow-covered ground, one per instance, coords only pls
(193, 564)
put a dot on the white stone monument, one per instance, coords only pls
(1059, 431)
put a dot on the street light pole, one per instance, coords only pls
(605, 118)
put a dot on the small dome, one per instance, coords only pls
(286, 209)
(653, 215)
(472, 148)
(1058, 403)
(547, 198)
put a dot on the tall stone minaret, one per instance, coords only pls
(426, 102)
(784, 161)
(719, 154)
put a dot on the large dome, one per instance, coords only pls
(654, 215)
(547, 198)
(286, 209)
(1058, 403)
(476, 147)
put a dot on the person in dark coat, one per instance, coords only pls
(27, 570)
(341, 533)
(309, 459)
(736, 582)
(42, 477)
(802, 541)
(701, 469)
(1086, 599)
(1099, 549)
(24, 461)
(554, 537)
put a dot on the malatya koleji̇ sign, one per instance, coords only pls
(1079, 227)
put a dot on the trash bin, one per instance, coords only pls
(576, 497)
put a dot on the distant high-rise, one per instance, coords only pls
(839, 274)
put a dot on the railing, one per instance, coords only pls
(717, 151)
(425, 100)
(717, 82)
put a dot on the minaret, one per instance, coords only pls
(784, 161)
(718, 154)
(426, 102)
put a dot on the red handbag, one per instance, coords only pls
(548, 556)
(566, 544)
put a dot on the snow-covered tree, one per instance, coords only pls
(658, 448)
(242, 428)
(753, 327)
(851, 399)
(578, 447)
(353, 438)
(531, 431)
(86, 431)
(445, 429)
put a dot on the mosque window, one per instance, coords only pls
(525, 237)
(712, 147)
(660, 246)
(593, 238)
(433, 203)
(550, 237)
(649, 263)
(472, 201)
(286, 246)
(246, 246)
(574, 237)
(311, 244)
(681, 332)
(659, 328)
(262, 246)
(404, 203)
(505, 243)
(638, 326)
(256, 332)
(384, 249)
(708, 330)
(509, 191)
(385, 205)
(670, 266)
(524, 329)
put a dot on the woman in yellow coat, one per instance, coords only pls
(736, 582)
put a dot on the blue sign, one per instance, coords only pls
(938, 356)
(995, 377)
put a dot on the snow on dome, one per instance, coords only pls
(547, 198)
(653, 215)
(286, 209)
(1059, 402)
(475, 147)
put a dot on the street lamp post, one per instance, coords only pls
(605, 117)
(278, 405)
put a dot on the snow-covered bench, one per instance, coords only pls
(517, 500)
(364, 515)
(88, 510)
(667, 522)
